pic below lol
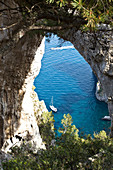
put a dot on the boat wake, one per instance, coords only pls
(61, 48)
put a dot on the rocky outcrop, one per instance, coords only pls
(20, 62)
(97, 50)
(21, 66)
(100, 94)
(27, 128)
(3, 158)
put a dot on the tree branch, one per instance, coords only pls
(7, 27)
(48, 28)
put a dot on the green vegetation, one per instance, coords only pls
(46, 128)
(57, 15)
(93, 11)
(69, 151)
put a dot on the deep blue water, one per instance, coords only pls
(67, 77)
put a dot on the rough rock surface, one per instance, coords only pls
(100, 94)
(17, 105)
(4, 157)
(27, 128)
(97, 50)
(19, 66)
(20, 62)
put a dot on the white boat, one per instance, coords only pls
(106, 118)
(62, 48)
(54, 109)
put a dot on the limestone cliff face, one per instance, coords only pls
(100, 94)
(19, 68)
(20, 62)
(97, 50)
(22, 123)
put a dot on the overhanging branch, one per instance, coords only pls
(7, 27)
(48, 28)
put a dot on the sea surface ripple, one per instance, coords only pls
(67, 77)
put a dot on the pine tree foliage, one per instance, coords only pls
(68, 152)
(56, 15)
(94, 11)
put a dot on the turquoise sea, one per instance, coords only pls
(67, 77)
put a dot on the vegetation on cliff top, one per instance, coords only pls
(57, 15)
(67, 151)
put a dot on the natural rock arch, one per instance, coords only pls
(17, 54)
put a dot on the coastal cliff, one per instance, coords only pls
(24, 126)
(18, 96)
(97, 50)
(20, 62)
(21, 52)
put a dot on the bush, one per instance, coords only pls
(69, 152)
